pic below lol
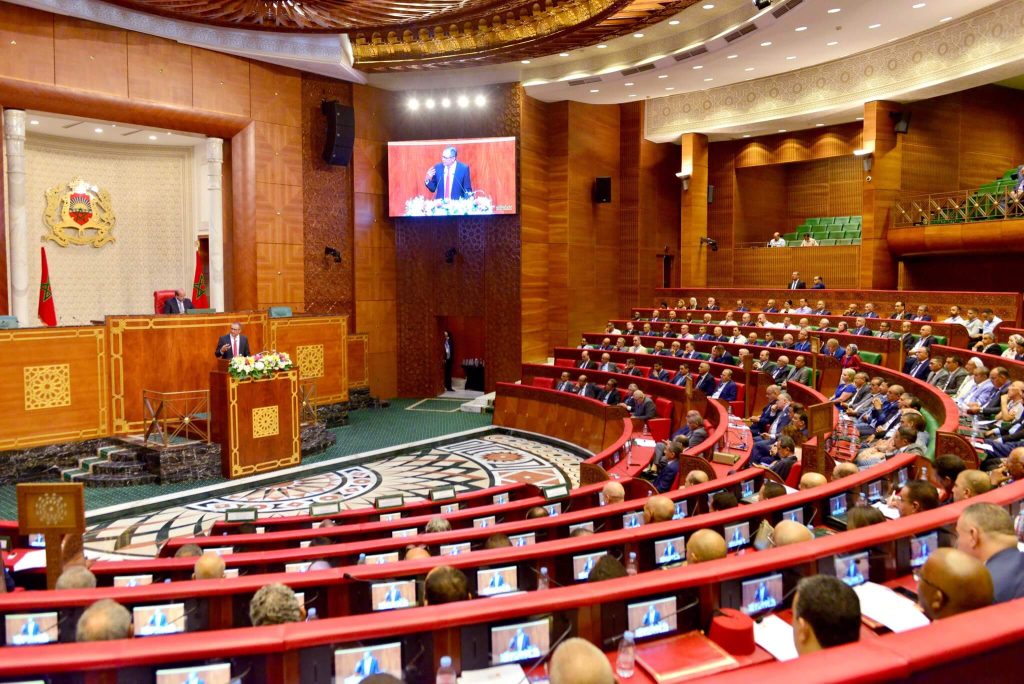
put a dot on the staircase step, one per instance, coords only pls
(116, 480)
(117, 469)
(123, 456)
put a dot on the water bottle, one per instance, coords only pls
(311, 615)
(445, 673)
(543, 582)
(631, 570)
(647, 432)
(624, 663)
(924, 474)
(362, 559)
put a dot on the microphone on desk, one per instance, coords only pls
(782, 602)
(550, 578)
(411, 672)
(689, 606)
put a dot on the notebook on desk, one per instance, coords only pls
(683, 657)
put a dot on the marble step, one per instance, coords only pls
(118, 469)
(115, 480)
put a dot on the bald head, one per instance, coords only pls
(695, 477)
(791, 532)
(577, 661)
(76, 577)
(970, 483)
(705, 545)
(952, 582)
(416, 553)
(658, 509)
(209, 566)
(104, 620)
(983, 530)
(613, 492)
(844, 469)
(812, 480)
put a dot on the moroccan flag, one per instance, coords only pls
(47, 314)
(200, 292)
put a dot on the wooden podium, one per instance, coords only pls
(256, 422)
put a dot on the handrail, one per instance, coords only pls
(956, 206)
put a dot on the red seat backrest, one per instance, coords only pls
(565, 363)
(645, 370)
(663, 408)
(794, 475)
(159, 297)
(544, 382)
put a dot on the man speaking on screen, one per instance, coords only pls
(449, 180)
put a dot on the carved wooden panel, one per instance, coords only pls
(275, 94)
(220, 83)
(278, 154)
(26, 44)
(90, 56)
(278, 213)
(279, 275)
(159, 70)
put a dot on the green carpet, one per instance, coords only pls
(368, 429)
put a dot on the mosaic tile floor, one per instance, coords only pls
(470, 464)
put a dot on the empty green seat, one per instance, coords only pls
(793, 243)
(827, 242)
(843, 242)
(835, 235)
(869, 356)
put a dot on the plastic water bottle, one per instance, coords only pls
(311, 615)
(445, 673)
(647, 432)
(924, 474)
(975, 429)
(626, 659)
(362, 559)
(631, 570)
(543, 582)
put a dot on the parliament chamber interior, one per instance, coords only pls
(432, 342)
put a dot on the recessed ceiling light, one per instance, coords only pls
(798, 29)
(708, 80)
(168, 132)
(628, 84)
(663, 76)
(766, 43)
(638, 35)
(429, 104)
(943, 20)
(835, 10)
(152, 137)
(446, 102)
(698, 66)
(731, 56)
(462, 101)
(563, 54)
(595, 90)
(746, 135)
(413, 104)
(632, 94)
(874, 26)
(749, 69)
(791, 57)
(782, 130)
(831, 43)
(602, 46)
(674, 22)
(525, 61)
(33, 122)
(860, 118)
(918, 5)
(97, 130)
(818, 125)
(709, 6)
(670, 88)
(480, 100)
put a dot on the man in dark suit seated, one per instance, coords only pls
(585, 388)
(917, 365)
(869, 310)
(986, 532)
(720, 355)
(705, 381)
(680, 377)
(565, 383)
(658, 373)
(643, 406)
(795, 283)
(817, 283)
(800, 373)
(667, 477)
(178, 304)
(610, 394)
(607, 365)
(631, 368)
(821, 309)
(585, 362)
(726, 387)
(1000, 378)
(861, 328)
(925, 339)
(233, 344)
(784, 453)
(922, 314)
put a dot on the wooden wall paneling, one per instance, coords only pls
(278, 154)
(243, 227)
(721, 174)
(693, 266)
(90, 56)
(159, 70)
(534, 193)
(761, 201)
(4, 303)
(279, 275)
(805, 145)
(877, 266)
(278, 214)
(631, 116)
(275, 94)
(771, 268)
(26, 44)
(558, 223)
(318, 345)
(659, 216)
(358, 369)
(220, 82)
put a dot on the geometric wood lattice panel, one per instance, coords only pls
(265, 422)
(311, 360)
(47, 386)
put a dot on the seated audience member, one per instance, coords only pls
(811, 480)
(833, 349)
(437, 524)
(658, 509)
(770, 489)
(631, 368)
(990, 321)
(988, 345)
(977, 388)
(882, 411)
(922, 314)
(851, 358)
(565, 383)
(885, 331)
(917, 365)
(189, 551)
(987, 410)
(974, 325)
(537, 512)
(445, 584)
(1011, 468)
(800, 374)
(209, 566)
(954, 315)
(104, 620)
(791, 532)
(860, 327)
(784, 453)
(947, 468)
(695, 477)
(705, 380)
(723, 501)
(904, 441)
(607, 365)
(585, 363)
(1014, 348)
(917, 496)
(955, 375)
(610, 393)
(985, 531)
(726, 389)
(658, 373)
(417, 552)
(643, 406)
(275, 604)
(970, 483)
(808, 241)
(776, 241)
(845, 389)
(817, 283)
(863, 516)
(606, 568)
(670, 471)
(925, 339)
(76, 577)
(613, 492)
(952, 582)
(500, 540)
(899, 311)
(826, 613)
(703, 546)
(577, 661)
(844, 469)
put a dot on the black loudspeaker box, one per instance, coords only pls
(602, 189)
(341, 132)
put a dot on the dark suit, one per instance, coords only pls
(645, 410)
(696, 437)
(610, 397)
(590, 390)
(680, 377)
(918, 369)
(461, 184)
(796, 285)
(659, 375)
(706, 384)
(171, 305)
(1007, 571)
(866, 331)
(586, 365)
(243, 347)
(726, 391)
(818, 286)
(870, 314)
(667, 476)
(567, 386)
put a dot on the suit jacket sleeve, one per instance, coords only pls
(667, 477)
(432, 183)
(168, 306)
(467, 183)
(221, 341)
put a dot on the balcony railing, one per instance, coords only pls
(961, 206)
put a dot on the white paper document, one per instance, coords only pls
(500, 674)
(885, 606)
(775, 635)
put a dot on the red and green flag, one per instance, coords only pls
(200, 288)
(47, 314)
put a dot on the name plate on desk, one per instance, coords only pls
(725, 459)
(318, 509)
(240, 515)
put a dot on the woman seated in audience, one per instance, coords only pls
(987, 345)
(1014, 348)
(842, 327)
(787, 307)
(846, 388)
(694, 306)
(863, 516)
(808, 241)
(851, 359)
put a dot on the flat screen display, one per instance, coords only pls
(388, 517)
(922, 547)
(737, 536)
(297, 567)
(407, 532)
(207, 674)
(583, 564)
(493, 581)
(382, 558)
(523, 539)
(837, 505)
(168, 618)
(681, 510)
(746, 489)
(26, 629)
(796, 515)
(668, 551)
(487, 521)
(352, 665)
(455, 549)
(761, 595)
(500, 499)
(553, 509)
(654, 617)
(450, 508)
(852, 568)
(132, 580)
(631, 520)
(456, 177)
(874, 492)
(523, 641)
(393, 595)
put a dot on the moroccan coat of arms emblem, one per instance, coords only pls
(79, 213)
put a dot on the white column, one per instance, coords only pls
(215, 168)
(14, 140)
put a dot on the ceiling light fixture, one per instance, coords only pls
(709, 6)
(746, 135)
(674, 22)
(782, 130)
(831, 43)
(918, 5)
(480, 100)
(749, 69)
(602, 46)
(818, 125)
(663, 76)
(34, 122)
(632, 94)
(563, 54)
(429, 103)
(708, 80)
(462, 101)
(943, 20)
(835, 10)
(670, 88)
(698, 66)
(413, 104)
(638, 35)
(874, 26)
(525, 61)
(798, 29)
(791, 57)
(445, 102)
(595, 90)
(97, 130)
(766, 43)
(731, 56)
(152, 137)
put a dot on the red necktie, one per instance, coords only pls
(234, 346)
(447, 185)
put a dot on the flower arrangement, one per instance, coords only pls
(262, 365)
(422, 206)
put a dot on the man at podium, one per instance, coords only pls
(178, 304)
(233, 344)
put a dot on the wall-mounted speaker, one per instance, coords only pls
(711, 193)
(900, 121)
(341, 132)
(602, 189)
